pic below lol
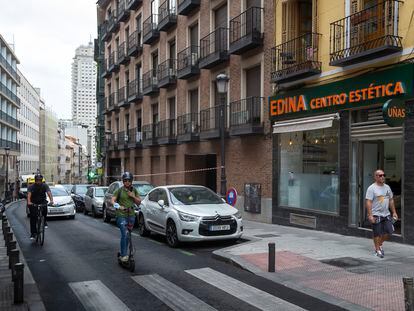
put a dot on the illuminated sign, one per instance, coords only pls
(394, 112)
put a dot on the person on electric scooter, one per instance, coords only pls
(124, 200)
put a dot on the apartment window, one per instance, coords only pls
(172, 49)
(220, 16)
(297, 18)
(154, 58)
(155, 116)
(194, 35)
(193, 94)
(253, 81)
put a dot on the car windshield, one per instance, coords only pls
(100, 192)
(81, 189)
(143, 189)
(59, 192)
(68, 187)
(193, 195)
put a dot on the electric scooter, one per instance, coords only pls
(130, 264)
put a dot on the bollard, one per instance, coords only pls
(9, 237)
(10, 246)
(4, 224)
(409, 293)
(272, 257)
(18, 282)
(13, 259)
(6, 230)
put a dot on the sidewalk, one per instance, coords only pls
(32, 299)
(341, 270)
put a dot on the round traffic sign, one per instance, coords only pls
(98, 164)
(231, 196)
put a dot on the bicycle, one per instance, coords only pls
(40, 224)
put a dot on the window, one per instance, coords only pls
(297, 18)
(308, 169)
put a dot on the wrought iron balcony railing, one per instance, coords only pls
(166, 132)
(210, 122)
(133, 4)
(187, 62)
(149, 134)
(150, 82)
(135, 137)
(245, 116)
(123, 12)
(123, 57)
(167, 15)
(186, 6)
(297, 58)
(113, 24)
(214, 48)
(150, 29)
(134, 90)
(123, 139)
(167, 73)
(111, 62)
(135, 43)
(122, 96)
(188, 124)
(110, 101)
(246, 31)
(365, 35)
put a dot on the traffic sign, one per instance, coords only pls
(231, 196)
(98, 164)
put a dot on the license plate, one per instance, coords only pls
(219, 227)
(55, 211)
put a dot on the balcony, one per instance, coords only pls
(167, 15)
(123, 57)
(122, 140)
(213, 49)
(135, 44)
(167, 73)
(245, 116)
(105, 72)
(134, 91)
(246, 31)
(113, 65)
(148, 138)
(296, 59)
(5, 64)
(123, 12)
(106, 35)
(135, 138)
(187, 63)
(9, 94)
(165, 132)
(9, 120)
(133, 4)
(150, 82)
(122, 99)
(150, 29)
(114, 141)
(110, 102)
(186, 6)
(113, 25)
(365, 35)
(188, 128)
(210, 122)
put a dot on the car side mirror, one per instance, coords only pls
(161, 203)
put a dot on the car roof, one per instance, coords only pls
(141, 182)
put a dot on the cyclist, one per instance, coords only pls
(36, 194)
(124, 200)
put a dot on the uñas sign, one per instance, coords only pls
(394, 112)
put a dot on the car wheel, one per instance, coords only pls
(143, 231)
(105, 217)
(171, 234)
(72, 217)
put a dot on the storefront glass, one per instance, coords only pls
(309, 169)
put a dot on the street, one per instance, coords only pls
(77, 269)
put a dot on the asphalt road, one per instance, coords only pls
(77, 269)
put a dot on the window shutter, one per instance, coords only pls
(284, 21)
(354, 6)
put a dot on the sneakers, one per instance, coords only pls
(46, 225)
(32, 237)
(379, 254)
(124, 258)
(382, 251)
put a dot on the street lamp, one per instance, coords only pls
(89, 164)
(7, 150)
(108, 135)
(222, 81)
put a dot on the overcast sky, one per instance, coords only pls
(46, 34)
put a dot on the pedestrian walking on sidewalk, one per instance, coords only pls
(378, 201)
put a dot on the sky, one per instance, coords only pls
(46, 34)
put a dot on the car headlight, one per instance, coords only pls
(238, 215)
(188, 217)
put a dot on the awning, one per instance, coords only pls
(305, 124)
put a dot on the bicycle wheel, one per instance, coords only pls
(41, 230)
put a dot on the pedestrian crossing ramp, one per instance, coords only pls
(95, 295)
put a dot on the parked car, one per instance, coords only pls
(78, 194)
(143, 187)
(188, 213)
(68, 187)
(94, 199)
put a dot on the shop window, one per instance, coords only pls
(309, 177)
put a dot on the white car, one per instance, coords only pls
(63, 204)
(185, 213)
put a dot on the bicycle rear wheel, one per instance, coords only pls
(40, 238)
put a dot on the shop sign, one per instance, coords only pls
(394, 112)
(359, 91)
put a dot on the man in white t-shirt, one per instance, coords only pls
(378, 201)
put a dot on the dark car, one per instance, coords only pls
(143, 187)
(78, 195)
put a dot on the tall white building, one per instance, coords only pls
(29, 117)
(84, 91)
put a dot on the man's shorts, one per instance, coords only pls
(383, 225)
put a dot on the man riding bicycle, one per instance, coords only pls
(36, 194)
(124, 200)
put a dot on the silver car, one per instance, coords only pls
(94, 199)
(63, 204)
(188, 213)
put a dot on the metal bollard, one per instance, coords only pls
(19, 282)
(10, 246)
(409, 293)
(9, 237)
(13, 259)
(272, 257)
(6, 230)
(4, 224)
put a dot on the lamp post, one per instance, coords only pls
(89, 165)
(108, 135)
(7, 150)
(222, 81)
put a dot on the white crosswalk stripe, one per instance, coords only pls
(242, 291)
(170, 294)
(94, 295)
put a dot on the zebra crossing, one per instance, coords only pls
(94, 295)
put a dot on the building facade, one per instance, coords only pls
(342, 108)
(9, 125)
(48, 144)
(84, 91)
(29, 118)
(162, 109)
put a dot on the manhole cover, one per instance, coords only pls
(345, 262)
(269, 235)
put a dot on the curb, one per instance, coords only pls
(235, 260)
(32, 296)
